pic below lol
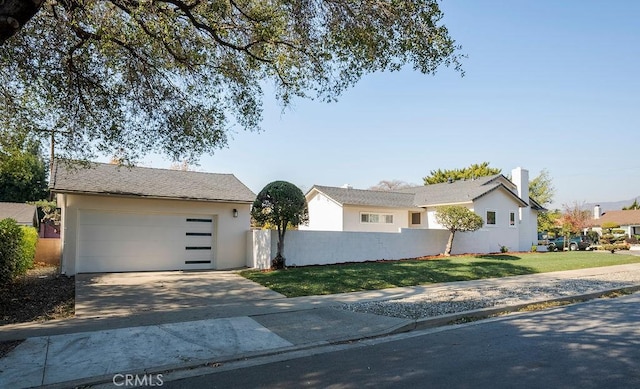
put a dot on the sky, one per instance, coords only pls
(548, 85)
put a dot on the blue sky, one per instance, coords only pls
(549, 85)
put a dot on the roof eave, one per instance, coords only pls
(431, 205)
(310, 195)
(136, 195)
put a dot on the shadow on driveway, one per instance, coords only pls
(125, 294)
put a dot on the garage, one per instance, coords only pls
(130, 219)
(116, 242)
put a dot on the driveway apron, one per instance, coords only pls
(125, 294)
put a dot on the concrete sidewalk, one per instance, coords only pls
(80, 352)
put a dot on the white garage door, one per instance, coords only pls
(116, 242)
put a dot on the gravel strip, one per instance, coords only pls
(461, 300)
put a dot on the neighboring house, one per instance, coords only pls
(509, 220)
(118, 218)
(23, 214)
(628, 220)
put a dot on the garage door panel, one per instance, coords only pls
(112, 241)
(130, 233)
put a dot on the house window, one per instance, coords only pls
(512, 219)
(416, 218)
(376, 218)
(491, 218)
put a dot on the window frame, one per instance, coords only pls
(412, 214)
(495, 218)
(513, 222)
(381, 218)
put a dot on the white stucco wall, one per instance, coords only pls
(431, 221)
(259, 249)
(230, 241)
(324, 214)
(352, 220)
(500, 234)
(304, 248)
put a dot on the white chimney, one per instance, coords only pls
(520, 177)
(528, 228)
(596, 212)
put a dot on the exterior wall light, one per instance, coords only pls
(235, 212)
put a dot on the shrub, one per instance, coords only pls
(611, 239)
(10, 249)
(617, 232)
(28, 250)
(615, 247)
(633, 240)
(593, 237)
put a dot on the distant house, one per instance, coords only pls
(628, 220)
(23, 214)
(117, 219)
(510, 216)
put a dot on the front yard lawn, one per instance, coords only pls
(352, 277)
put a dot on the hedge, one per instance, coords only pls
(17, 249)
(28, 249)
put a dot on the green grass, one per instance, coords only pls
(329, 279)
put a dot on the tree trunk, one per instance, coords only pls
(14, 14)
(447, 250)
(279, 261)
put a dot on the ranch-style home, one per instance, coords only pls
(628, 220)
(118, 218)
(510, 216)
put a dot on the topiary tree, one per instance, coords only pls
(457, 218)
(280, 203)
(609, 226)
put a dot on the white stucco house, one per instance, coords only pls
(510, 216)
(118, 218)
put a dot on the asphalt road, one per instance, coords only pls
(590, 345)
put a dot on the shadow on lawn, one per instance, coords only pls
(451, 271)
(498, 257)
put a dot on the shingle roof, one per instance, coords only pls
(111, 179)
(22, 213)
(623, 218)
(350, 196)
(460, 191)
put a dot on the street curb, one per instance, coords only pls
(410, 325)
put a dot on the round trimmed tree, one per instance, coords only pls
(457, 218)
(280, 204)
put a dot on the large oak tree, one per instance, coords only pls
(128, 77)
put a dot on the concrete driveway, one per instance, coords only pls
(126, 294)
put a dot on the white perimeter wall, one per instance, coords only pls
(302, 248)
